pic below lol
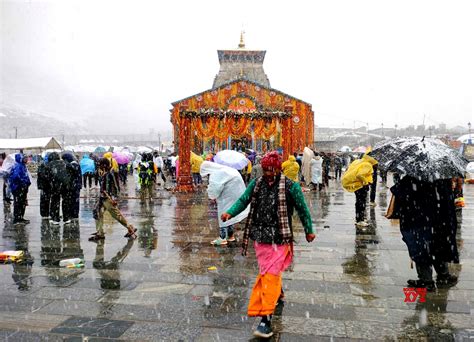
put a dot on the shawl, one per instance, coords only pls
(284, 224)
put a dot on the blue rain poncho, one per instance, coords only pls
(87, 165)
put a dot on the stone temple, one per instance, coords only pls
(241, 64)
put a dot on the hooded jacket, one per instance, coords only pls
(57, 172)
(196, 162)
(42, 181)
(74, 172)
(19, 179)
(291, 168)
(114, 164)
(359, 174)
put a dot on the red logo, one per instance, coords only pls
(412, 293)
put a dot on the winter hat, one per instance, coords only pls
(271, 161)
(68, 157)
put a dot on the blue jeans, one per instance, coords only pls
(226, 232)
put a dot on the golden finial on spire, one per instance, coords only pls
(242, 44)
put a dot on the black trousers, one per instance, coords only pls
(373, 187)
(55, 204)
(361, 203)
(75, 203)
(87, 177)
(425, 270)
(337, 173)
(61, 198)
(45, 200)
(19, 204)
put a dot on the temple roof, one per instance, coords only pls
(240, 80)
(241, 63)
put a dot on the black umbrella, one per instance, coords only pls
(427, 159)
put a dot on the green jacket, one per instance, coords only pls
(296, 197)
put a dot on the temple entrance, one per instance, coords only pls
(240, 115)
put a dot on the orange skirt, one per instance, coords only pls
(265, 294)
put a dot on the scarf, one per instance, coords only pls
(284, 224)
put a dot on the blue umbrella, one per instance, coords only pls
(100, 149)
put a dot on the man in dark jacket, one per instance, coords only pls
(58, 178)
(428, 225)
(72, 189)
(19, 181)
(44, 186)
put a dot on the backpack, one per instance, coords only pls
(145, 173)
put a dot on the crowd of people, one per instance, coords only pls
(264, 194)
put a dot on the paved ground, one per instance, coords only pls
(345, 285)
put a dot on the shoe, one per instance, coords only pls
(16, 223)
(131, 233)
(373, 204)
(45, 217)
(429, 284)
(446, 280)
(231, 239)
(24, 221)
(362, 224)
(264, 330)
(219, 242)
(67, 221)
(97, 237)
(54, 222)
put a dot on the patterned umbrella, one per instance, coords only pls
(427, 159)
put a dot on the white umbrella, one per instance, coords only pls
(233, 159)
(345, 149)
(465, 138)
(143, 149)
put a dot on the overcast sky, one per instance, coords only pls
(122, 63)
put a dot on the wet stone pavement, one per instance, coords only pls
(347, 285)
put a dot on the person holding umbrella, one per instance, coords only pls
(425, 202)
(225, 187)
(428, 225)
(272, 199)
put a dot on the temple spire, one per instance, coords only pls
(242, 44)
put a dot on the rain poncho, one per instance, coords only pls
(19, 178)
(196, 162)
(317, 170)
(308, 155)
(358, 174)
(87, 165)
(109, 156)
(226, 186)
(7, 165)
(291, 168)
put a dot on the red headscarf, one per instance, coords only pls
(271, 161)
